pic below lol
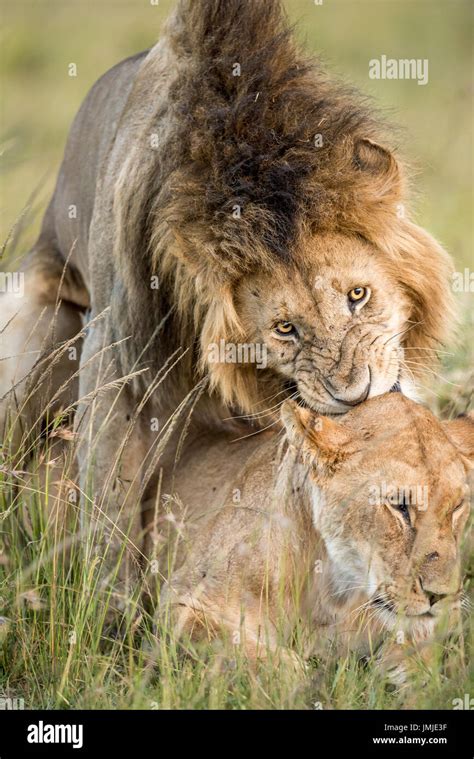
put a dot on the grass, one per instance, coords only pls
(55, 648)
(57, 651)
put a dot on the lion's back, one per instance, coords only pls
(92, 132)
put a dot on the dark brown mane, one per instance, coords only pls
(240, 178)
(248, 141)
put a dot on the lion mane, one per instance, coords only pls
(238, 180)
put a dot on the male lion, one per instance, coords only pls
(218, 190)
(354, 527)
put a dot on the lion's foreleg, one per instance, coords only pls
(111, 458)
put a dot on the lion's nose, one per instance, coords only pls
(353, 401)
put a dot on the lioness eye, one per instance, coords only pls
(400, 503)
(286, 329)
(357, 294)
(402, 506)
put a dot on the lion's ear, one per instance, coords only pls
(461, 432)
(382, 171)
(372, 157)
(330, 442)
(375, 192)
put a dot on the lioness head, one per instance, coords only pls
(391, 501)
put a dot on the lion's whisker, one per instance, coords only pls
(403, 331)
(264, 412)
(429, 369)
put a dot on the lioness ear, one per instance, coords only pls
(461, 432)
(329, 441)
(297, 421)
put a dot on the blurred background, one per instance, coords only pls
(40, 38)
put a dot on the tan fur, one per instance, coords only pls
(316, 533)
(165, 147)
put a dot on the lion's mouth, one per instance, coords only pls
(294, 394)
(333, 407)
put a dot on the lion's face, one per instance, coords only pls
(332, 327)
(391, 504)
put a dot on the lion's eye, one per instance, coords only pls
(357, 294)
(285, 329)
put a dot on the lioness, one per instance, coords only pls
(217, 190)
(353, 526)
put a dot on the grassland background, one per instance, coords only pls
(38, 40)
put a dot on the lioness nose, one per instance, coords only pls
(433, 598)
